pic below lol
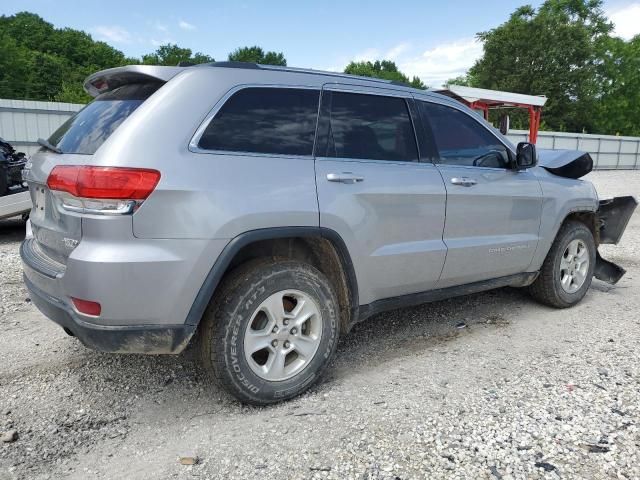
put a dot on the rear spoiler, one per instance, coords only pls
(105, 80)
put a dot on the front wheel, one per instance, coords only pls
(270, 331)
(567, 271)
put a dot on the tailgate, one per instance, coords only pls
(56, 231)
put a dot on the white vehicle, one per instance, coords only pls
(14, 195)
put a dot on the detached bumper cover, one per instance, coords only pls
(148, 339)
(613, 217)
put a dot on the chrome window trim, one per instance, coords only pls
(195, 139)
(381, 162)
(365, 90)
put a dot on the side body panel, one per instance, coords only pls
(493, 214)
(391, 221)
(560, 197)
(213, 194)
(492, 226)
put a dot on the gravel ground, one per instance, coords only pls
(487, 386)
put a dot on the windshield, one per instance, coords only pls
(90, 127)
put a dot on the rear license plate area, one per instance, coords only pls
(39, 203)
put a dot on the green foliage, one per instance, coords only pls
(384, 69)
(463, 80)
(618, 111)
(40, 62)
(562, 50)
(255, 54)
(171, 55)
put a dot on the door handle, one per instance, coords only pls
(463, 181)
(344, 177)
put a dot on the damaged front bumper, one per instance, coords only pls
(612, 218)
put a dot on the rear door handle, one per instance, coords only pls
(344, 177)
(463, 181)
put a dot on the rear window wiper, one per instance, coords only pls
(49, 146)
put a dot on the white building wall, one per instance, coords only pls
(22, 122)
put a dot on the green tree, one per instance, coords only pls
(553, 51)
(40, 62)
(171, 55)
(255, 54)
(618, 111)
(384, 69)
(16, 62)
(462, 80)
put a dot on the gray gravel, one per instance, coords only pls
(489, 386)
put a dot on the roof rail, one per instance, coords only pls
(310, 71)
(231, 64)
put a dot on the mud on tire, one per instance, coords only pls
(238, 310)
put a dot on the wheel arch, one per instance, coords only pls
(587, 217)
(321, 247)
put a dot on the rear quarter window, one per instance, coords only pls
(279, 121)
(86, 131)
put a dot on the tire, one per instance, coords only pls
(548, 287)
(242, 316)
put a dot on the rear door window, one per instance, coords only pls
(462, 140)
(90, 127)
(364, 126)
(279, 121)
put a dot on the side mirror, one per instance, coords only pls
(504, 124)
(526, 156)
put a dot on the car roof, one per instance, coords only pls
(108, 79)
(309, 71)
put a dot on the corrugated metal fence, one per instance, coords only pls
(22, 122)
(609, 152)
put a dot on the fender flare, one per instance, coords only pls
(213, 278)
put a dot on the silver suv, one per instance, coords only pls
(263, 211)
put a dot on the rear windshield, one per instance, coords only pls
(90, 127)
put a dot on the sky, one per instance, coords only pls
(433, 40)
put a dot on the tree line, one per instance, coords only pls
(564, 49)
(41, 62)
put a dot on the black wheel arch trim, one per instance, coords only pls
(213, 278)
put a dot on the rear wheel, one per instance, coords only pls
(271, 330)
(567, 271)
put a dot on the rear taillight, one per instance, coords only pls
(115, 183)
(102, 190)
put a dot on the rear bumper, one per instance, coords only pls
(149, 339)
(145, 288)
(137, 282)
